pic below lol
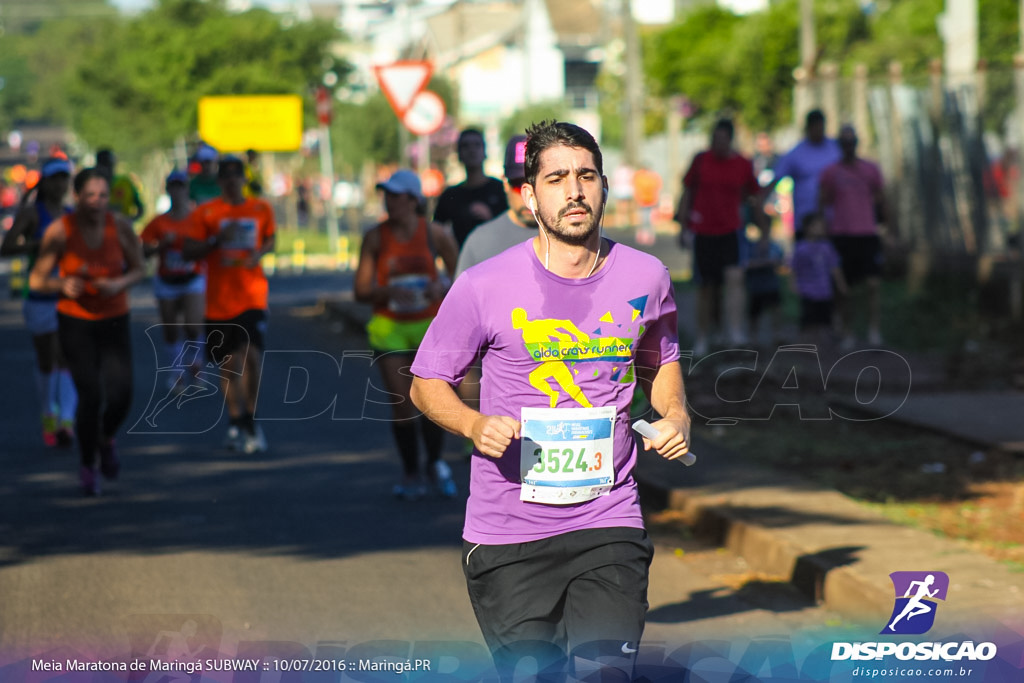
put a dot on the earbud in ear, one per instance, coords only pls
(604, 191)
(533, 204)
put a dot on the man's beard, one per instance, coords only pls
(577, 235)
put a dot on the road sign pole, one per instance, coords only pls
(327, 172)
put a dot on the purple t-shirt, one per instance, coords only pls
(623, 313)
(804, 164)
(813, 263)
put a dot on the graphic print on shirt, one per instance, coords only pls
(561, 348)
(242, 243)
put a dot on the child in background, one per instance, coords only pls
(761, 259)
(816, 278)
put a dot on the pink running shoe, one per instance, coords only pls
(90, 481)
(49, 431)
(110, 464)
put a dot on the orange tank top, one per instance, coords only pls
(105, 261)
(409, 265)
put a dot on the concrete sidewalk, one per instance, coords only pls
(835, 550)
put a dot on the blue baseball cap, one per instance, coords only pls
(54, 167)
(176, 176)
(403, 181)
(206, 153)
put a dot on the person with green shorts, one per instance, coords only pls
(398, 275)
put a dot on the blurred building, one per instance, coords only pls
(500, 54)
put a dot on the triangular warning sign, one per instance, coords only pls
(402, 81)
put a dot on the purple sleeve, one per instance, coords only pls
(783, 166)
(660, 342)
(454, 337)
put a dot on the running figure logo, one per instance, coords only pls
(189, 378)
(916, 593)
(538, 334)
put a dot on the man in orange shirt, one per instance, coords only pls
(233, 234)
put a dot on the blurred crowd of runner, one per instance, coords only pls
(215, 227)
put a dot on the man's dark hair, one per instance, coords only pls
(810, 218)
(724, 125)
(230, 166)
(546, 134)
(814, 116)
(87, 174)
(467, 132)
(105, 157)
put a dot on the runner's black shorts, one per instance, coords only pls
(226, 337)
(860, 255)
(712, 254)
(762, 302)
(582, 592)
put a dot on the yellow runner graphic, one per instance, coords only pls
(542, 331)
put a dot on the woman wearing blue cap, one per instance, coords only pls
(180, 284)
(40, 206)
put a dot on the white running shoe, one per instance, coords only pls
(255, 442)
(233, 439)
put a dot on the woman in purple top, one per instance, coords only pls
(566, 323)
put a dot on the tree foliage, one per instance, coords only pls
(743, 65)
(134, 83)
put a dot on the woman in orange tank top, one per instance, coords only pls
(98, 257)
(397, 274)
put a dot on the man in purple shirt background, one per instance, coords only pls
(804, 164)
(568, 325)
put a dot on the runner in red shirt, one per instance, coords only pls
(715, 189)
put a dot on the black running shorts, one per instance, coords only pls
(568, 600)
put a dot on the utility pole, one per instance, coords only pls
(634, 87)
(805, 73)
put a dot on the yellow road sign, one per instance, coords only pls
(265, 123)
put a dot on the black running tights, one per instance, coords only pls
(99, 356)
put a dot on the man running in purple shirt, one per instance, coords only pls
(568, 325)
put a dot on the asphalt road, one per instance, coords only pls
(298, 552)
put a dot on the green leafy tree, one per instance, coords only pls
(693, 58)
(139, 88)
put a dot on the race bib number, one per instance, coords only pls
(175, 263)
(237, 250)
(414, 288)
(566, 454)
